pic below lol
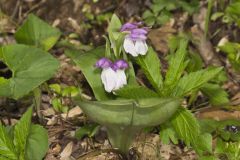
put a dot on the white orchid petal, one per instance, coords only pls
(128, 46)
(109, 79)
(121, 79)
(141, 47)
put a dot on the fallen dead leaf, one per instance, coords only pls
(159, 37)
(67, 151)
(76, 111)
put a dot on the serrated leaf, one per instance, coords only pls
(35, 31)
(135, 92)
(30, 67)
(7, 149)
(216, 94)
(204, 143)
(21, 132)
(150, 64)
(177, 65)
(167, 133)
(186, 126)
(37, 143)
(194, 81)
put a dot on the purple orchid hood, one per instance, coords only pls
(129, 26)
(103, 63)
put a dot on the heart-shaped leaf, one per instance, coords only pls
(30, 67)
(35, 31)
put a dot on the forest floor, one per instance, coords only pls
(74, 16)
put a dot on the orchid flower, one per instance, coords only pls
(135, 42)
(113, 74)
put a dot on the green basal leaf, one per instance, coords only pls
(124, 118)
(216, 94)
(21, 132)
(37, 143)
(36, 32)
(186, 126)
(151, 67)
(194, 81)
(30, 67)
(7, 149)
(135, 92)
(204, 143)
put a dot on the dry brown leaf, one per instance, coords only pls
(67, 151)
(159, 37)
(204, 47)
(76, 111)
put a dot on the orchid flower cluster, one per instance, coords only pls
(113, 74)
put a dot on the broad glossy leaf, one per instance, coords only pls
(37, 143)
(194, 81)
(124, 118)
(30, 67)
(150, 65)
(135, 92)
(7, 149)
(186, 126)
(21, 132)
(35, 31)
(130, 112)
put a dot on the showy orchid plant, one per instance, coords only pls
(123, 106)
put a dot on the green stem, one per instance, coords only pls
(122, 137)
(210, 5)
(37, 101)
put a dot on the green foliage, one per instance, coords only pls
(177, 65)
(87, 130)
(61, 92)
(135, 92)
(160, 10)
(230, 15)
(30, 67)
(38, 33)
(217, 95)
(186, 126)
(151, 67)
(194, 81)
(232, 50)
(29, 141)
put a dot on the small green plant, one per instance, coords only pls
(227, 137)
(233, 53)
(60, 93)
(126, 108)
(230, 15)
(160, 11)
(24, 141)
